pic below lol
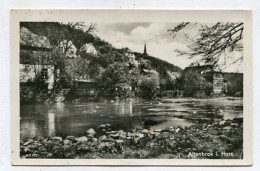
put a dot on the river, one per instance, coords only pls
(64, 119)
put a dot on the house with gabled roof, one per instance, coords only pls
(89, 48)
(35, 55)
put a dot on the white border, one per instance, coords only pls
(128, 16)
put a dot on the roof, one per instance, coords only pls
(32, 41)
(34, 49)
(200, 68)
(121, 84)
(211, 73)
(150, 71)
(129, 50)
(88, 47)
(86, 81)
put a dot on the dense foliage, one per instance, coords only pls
(193, 82)
(234, 84)
(148, 86)
(109, 67)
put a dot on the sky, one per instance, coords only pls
(159, 41)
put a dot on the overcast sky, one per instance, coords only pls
(159, 40)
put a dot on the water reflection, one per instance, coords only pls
(125, 108)
(60, 107)
(51, 124)
(70, 119)
(130, 107)
(30, 128)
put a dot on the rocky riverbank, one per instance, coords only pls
(220, 140)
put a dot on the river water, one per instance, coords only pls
(75, 119)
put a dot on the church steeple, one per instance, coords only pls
(145, 52)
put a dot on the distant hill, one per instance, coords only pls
(104, 48)
(159, 65)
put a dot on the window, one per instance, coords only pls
(219, 84)
(58, 73)
(44, 73)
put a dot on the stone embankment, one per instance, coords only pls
(104, 142)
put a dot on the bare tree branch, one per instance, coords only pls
(212, 42)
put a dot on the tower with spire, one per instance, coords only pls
(145, 52)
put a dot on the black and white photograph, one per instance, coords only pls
(131, 89)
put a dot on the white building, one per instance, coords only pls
(131, 57)
(88, 48)
(68, 48)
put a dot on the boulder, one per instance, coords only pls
(40, 139)
(111, 132)
(172, 137)
(110, 139)
(91, 131)
(27, 143)
(66, 147)
(103, 138)
(114, 135)
(177, 130)
(122, 134)
(152, 133)
(171, 129)
(32, 147)
(71, 138)
(42, 149)
(234, 124)
(227, 128)
(136, 140)
(94, 139)
(82, 139)
(140, 135)
(49, 155)
(57, 139)
(119, 141)
(145, 131)
(90, 136)
(102, 126)
(129, 134)
(66, 142)
(222, 122)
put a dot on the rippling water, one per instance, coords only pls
(75, 119)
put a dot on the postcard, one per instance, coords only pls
(131, 87)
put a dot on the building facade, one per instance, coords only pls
(88, 48)
(35, 55)
(131, 57)
(219, 84)
(215, 78)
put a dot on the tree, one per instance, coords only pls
(193, 82)
(114, 74)
(144, 64)
(234, 83)
(213, 42)
(148, 86)
(60, 34)
(134, 77)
